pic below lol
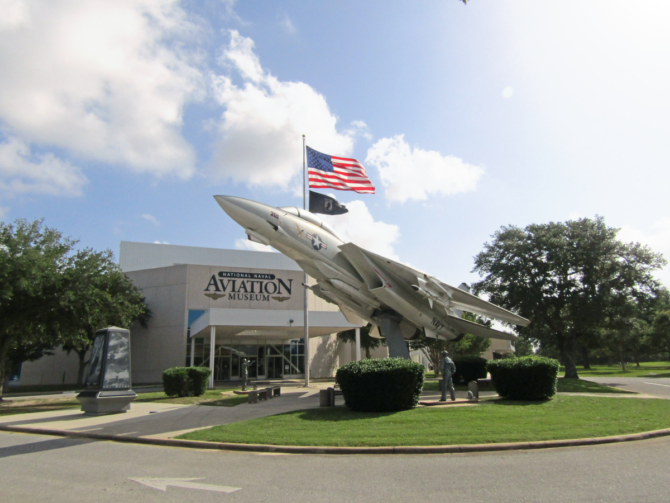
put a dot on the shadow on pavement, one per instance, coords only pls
(45, 445)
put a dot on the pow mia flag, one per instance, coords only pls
(318, 203)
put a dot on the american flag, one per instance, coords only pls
(330, 172)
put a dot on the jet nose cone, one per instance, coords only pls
(245, 212)
(226, 202)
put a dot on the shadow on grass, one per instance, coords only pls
(654, 376)
(518, 403)
(337, 414)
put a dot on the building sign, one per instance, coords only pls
(248, 286)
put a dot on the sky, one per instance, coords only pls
(120, 120)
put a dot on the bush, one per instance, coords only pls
(198, 378)
(381, 385)
(185, 381)
(469, 368)
(175, 381)
(526, 378)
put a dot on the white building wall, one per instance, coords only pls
(59, 368)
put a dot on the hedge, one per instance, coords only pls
(198, 378)
(527, 378)
(381, 385)
(469, 368)
(185, 381)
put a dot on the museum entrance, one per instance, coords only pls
(268, 359)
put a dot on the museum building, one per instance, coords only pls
(213, 307)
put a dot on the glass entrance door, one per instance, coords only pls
(275, 364)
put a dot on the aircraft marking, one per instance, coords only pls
(317, 242)
(437, 323)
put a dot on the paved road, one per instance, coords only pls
(659, 386)
(41, 468)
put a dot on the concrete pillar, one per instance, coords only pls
(192, 351)
(358, 344)
(306, 328)
(212, 342)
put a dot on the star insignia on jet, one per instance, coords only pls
(317, 242)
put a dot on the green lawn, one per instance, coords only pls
(564, 385)
(583, 386)
(564, 417)
(646, 369)
(211, 397)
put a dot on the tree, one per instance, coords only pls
(523, 347)
(32, 258)
(660, 335)
(367, 341)
(97, 295)
(467, 345)
(566, 278)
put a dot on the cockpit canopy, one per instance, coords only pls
(310, 217)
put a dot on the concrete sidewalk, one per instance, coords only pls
(156, 420)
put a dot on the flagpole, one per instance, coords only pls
(306, 320)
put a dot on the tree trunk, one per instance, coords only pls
(367, 353)
(586, 357)
(636, 356)
(623, 362)
(569, 362)
(82, 366)
(4, 350)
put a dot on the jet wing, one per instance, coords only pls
(478, 330)
(459, 299)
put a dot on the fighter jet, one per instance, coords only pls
(400, 301)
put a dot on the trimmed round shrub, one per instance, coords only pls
(469, 368)
(381, 385)
(198, 378)
(175, 381)
(527, 378)
(185, 381)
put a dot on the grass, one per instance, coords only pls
(10, 407)
(646, 369)
(582, 386)
(564, 385)
(211, 398)
(564, 417)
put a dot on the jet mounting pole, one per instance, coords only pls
(306, 290)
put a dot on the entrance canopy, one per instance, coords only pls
(280, 324)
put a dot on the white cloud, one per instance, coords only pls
(260, 131)
(414, 174)
(658, 239)
(358, 226)
(24, 173)
(100, 79)
(161, 243)
(151, 219)
(508, 92)
(359, 128)
(288, 25)
(246, 244)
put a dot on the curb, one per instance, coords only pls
(287, 449)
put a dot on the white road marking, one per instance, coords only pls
(657, 384)
(162, 484)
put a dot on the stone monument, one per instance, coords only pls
(108, 385)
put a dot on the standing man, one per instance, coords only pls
(245, 373)
(448, 369)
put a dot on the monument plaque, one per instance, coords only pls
(108, 385)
